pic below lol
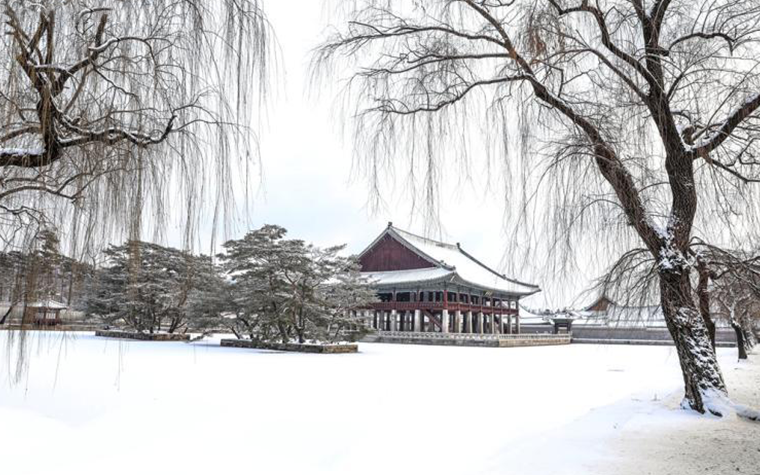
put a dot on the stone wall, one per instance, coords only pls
(723, 336)
(468, 339)
(302, 348)
(597, 334)
(143, 336)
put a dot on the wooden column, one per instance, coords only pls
(482, 299)
(517, 322)
(501, 317)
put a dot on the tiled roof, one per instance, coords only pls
(451, 262)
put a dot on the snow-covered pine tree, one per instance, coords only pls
(287, 290)
(146, 287)
(254, 265)
(347, 296)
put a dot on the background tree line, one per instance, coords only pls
(41, 274)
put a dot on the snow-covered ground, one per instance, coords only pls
(88, 405)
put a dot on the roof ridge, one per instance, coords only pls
(434, 241)
(404, 236)
(502, 275)
(458, 247)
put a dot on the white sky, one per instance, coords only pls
(308, 185)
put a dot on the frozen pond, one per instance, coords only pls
(88, 405)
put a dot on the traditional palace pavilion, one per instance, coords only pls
(430, 286)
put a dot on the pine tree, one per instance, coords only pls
(146, 287)
(288, 290)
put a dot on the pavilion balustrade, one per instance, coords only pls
(450, 306)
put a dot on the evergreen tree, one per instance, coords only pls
(146, 287)
(288, 290)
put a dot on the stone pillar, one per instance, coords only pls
(501, 323)
(417, 320)
(517, 323)
(393, 320)
(493, 322)
(509, 323)
(444, 321)
(458, 321)
(468, 322)
(480, 322)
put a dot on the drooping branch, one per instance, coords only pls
(603, 113)
(94, 91)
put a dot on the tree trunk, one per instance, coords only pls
(749, 337)
(699, 365)
(703, 293)
(740, 340)
(283, 333)
(5, 317)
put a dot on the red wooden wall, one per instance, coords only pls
(389, 254)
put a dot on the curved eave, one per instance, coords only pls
(450, 278)
(486, 288)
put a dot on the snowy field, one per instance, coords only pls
(88, 405)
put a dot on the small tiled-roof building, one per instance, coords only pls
(44, 312)
(426, 285)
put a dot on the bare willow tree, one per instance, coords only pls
(109, 108)
(729, 288)
(633, 112)
(726, 284)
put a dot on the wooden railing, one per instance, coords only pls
(451, 307)
(474, 336)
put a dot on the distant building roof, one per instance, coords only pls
(437, 262)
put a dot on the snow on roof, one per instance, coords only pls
(617, 316)
(636, 316)
(537, 315)
(47, 304)
(405, 276)
(449, 259)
